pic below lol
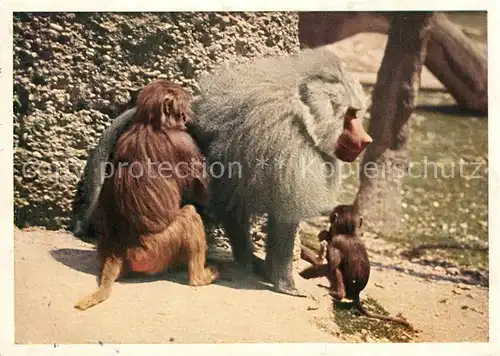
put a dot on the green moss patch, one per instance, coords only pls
(350, 322)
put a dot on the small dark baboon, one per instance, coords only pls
(140, 224)
(348, 266)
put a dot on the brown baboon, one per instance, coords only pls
(138, 218)
(348, 266)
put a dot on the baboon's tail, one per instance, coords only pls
(369, 314)
(110, 272)
(89, 187)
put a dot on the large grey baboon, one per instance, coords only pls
(277, 129)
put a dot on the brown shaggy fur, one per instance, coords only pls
(138, 216)
(348, 266)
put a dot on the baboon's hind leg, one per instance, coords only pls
(199, 275)
(337, 286)
(337, 289)
(238, 232)
(279, 256)
(196, 246)
(111, 270)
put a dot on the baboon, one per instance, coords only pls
(287, 122)
(140, 224)
(348, 265)
(183, 241)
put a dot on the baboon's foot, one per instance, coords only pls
(90, 300)
(285, 287)
(337, 296)
(209, 275)
(79, 229)
(212, 274)
(285, 284)
(84, 232)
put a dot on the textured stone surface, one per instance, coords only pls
(73, 73)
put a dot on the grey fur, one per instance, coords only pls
(293, 106)
(290, 107)
(267, 110)
(94, 172)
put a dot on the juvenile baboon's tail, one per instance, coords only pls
(363, 311)
(110, 272)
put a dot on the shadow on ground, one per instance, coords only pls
(85, 261)
(450, 109)
(472, 280)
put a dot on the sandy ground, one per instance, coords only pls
(53, 269)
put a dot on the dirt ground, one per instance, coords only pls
(53, 269)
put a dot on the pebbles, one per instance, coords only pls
(454, 271)
(56, 27)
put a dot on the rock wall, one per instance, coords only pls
(74, 73)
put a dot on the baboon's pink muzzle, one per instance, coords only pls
(353, 139)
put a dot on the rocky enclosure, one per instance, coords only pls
(73, 73)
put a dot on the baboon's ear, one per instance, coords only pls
(360, 220)
(335, 217)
